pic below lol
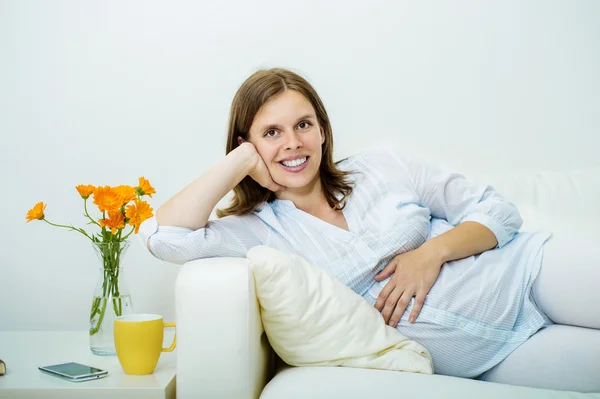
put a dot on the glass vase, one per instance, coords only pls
(111, 296)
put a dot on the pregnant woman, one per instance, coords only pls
(439, 256)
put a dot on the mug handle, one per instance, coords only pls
(170, 349)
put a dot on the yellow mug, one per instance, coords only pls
(139, 340)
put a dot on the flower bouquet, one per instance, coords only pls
(120, 206)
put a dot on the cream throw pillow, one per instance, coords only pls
(311, 319)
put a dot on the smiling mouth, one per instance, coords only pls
(295, 163)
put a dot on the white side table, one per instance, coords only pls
(24, 351)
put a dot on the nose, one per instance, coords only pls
(293, 141)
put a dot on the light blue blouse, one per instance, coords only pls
(478, 311)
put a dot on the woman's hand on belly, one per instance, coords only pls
(414, 273)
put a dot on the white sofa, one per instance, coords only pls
(223, 351)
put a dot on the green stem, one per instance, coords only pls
(97, 327)
(118, 260)
(69, 227)
(115, 306)
(95, 306)
(128, 234)
(110, 252)
(87, 214)
(105, 283)
(104, 227)
(97, 301)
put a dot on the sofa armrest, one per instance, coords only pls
(222, 350)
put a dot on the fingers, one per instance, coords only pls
(383, 295)
(390, 304)
(418, 304)
(400, 308)
(393, 301)
(387, 271)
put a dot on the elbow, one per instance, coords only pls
(503, 220)
(171, 244)
(516, 220)
(509, 217)
(505, 226)
(168, 252)
(182, 247)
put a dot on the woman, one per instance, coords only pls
(440, 257)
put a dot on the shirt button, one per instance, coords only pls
(462, 324)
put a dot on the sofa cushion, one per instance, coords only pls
(552, 200)
(312, 319)
(350, 383)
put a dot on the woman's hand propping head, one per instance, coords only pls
(258, 169)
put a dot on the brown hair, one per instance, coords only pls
(259, 88)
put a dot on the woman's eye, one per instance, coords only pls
(304, 125)
(270, 133)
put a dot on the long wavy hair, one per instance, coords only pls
(259, 88)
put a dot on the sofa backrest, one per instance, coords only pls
(566, 201)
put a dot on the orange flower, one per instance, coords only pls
(85, 191)
(125, 193)
(107, 199)
(137, 213)
(115, 221)
(36, 213)
(144, 188)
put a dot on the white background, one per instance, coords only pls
(104, 92)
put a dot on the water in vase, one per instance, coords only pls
(105, 311)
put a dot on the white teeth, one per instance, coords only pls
(294, 163)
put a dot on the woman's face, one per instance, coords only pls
(287, 136)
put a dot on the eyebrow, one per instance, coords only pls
(276, 126)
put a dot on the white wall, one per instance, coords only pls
(104, 92)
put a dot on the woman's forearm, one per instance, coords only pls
(466, 239)
(192, 206)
